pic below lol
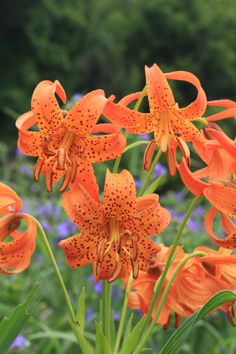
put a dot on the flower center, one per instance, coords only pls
(62, 160)
(121, 242)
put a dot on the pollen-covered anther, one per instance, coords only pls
(116, 272)
(148, 154)
(46, 146)
(37, 169)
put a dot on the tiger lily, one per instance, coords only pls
(66, 143)
(172, 126)
(222, 196)
(15, 254)
(114, 234)
(219, 153)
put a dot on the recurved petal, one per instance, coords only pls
(15, 255)
(82, 118)
(9, 200)
(125, 101)
(106, 146)
(195, 185)
(222, 103)
(225, 142)
(46, 110)
(228, 113)
(83, 209)
(134, 122)
(85, 176)
(195, 109)
(119, 195)
(150, 219)
(160, 95)
(222, 198)
(29, 142)
(229, 241)
(81, 249)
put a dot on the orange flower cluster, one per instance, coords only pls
(114, 234)
(197, 281)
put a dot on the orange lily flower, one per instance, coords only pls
(219, 153)
(171, 125)
(114, 234)
(67, 142)
(15, 255)
(198, 280)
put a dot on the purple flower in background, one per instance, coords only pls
(26, 170)
(137, 183)
(175, 215)
(144, 136)
(19, 153)
(88, 314)
(97, 286)
(19, 342)
(198, 211)
(116, 316)
(47, 228)
(160, 170)
(77, 96)
(194, 225)
(63, 228)
(179, 196)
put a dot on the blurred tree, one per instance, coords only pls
(93, 44)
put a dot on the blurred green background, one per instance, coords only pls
(89, 44)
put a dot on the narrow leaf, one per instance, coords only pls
(131, 342)
(155, 184)
(173, 345)
(83, 343)
(136, 143)
(80, 314)
(11, 326)
(128, 327)
(102, 344)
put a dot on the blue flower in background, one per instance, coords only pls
(26, 170)
(88, 314)
(160, 170)
(96, 286)
(179, 196)
(144, 136)
(137, 183)
(77, 96)
(19, 343)
(19, 153)
(194, 225)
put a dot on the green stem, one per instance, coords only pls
(169, 261)
(106, 308)
(163, 299)
(150, 172)
(123, 315)
(56, 269)
(136, 107)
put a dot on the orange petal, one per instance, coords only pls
(222, 197)
(85, 176)
(98, 148)
(150, 219)
(222, 103)
(195, 109)
(46, 110)
(225, 142)
(195, 185)
(134, 122)
(9, 200)
(80, 249)
(185, 129)
(125, 101)
(160, 96)
(119, 195)
(228, 113)
(15, 255)
(227, 242)
(83, 209)
(29, 142)
(146, 250)
(82, 118)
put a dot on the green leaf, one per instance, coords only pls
(11, 326)
(136, 143)
(102, 344)
(83, 343)
(155, 184)
(80, 314)
(131, 342)
(173, 345)
(128, 327)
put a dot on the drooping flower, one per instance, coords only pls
(229, 112)
(222, 196)
(66, 143)
(15, 254)
(199, 279)
(171, 125)
(114, 234)
(219, 153)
